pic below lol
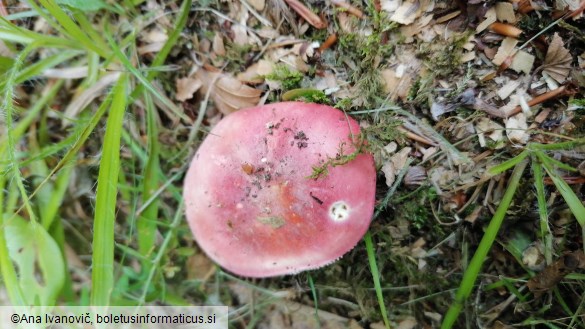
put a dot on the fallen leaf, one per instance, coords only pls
(218, 47)
(406, 13)
(557, 63)
(555, 272)
(228, 93)
(255, 73)
(186, 87)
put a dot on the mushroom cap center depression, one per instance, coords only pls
(255, 211)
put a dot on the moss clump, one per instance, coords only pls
(444, 58)
(416, 208)
(288, 78)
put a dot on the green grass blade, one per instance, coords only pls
(570, 197)
(315, 299)
(558, 146)
(545, 233)
(146, 225)
(551, 162)
(13, 33)
(498, 169)
(376, 277)
(102, 274)
(142, 79)
(470, 276)
(69, 155)
(161, 56)
(67, 26)
(9, 108)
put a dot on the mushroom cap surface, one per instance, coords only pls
(250, 202)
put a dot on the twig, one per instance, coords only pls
(307, 14)
(540, 99)
(348, 7)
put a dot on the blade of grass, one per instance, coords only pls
(67, 26)
(570, 197)
(470, 275)
(162, 250)
(142, 79)
(102, 276)
(558, 146)
(8, 107)
(31, 114)
(315, 300)
(161, 56)
(551, 163)
(146, 225)
(83, 136)
(545, 233)
(376, 277)
(498, 169)
(13, 33)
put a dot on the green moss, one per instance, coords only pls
(340, 158)
(366, 54)
(289, 79)
(444, 58)
(416, 208)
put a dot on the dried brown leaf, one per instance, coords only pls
(228, 93)
(555, 272)
(255, 73)
(557, 63)
(186, 87)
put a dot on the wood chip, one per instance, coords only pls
(508, 89)
(522, 62)
(505, 12)
(490, 18)
(506, 50)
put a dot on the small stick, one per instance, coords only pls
(350, 9)
(540, 99)
(307, 14)
(415, 137)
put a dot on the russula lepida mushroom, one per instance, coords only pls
(251, 203)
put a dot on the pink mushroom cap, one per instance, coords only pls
(250, 202)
